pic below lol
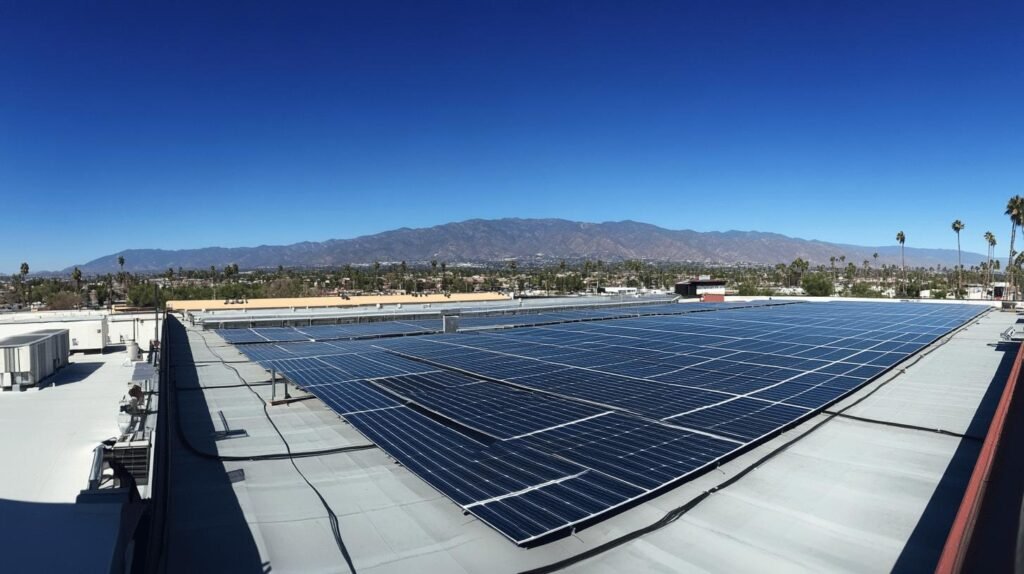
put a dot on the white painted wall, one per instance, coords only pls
(123, 327)
(89, 330)
(89, 334)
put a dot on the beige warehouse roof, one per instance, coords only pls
(353, 301)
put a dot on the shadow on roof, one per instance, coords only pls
(58, 537)
(921, 553)
(72, 373)
(995, 545)
(206, 530)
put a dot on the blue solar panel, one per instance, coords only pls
(239, 336)
(493, 409)
(539, 512)
(644, 454)
(373, 365)
(353, 397)
(281, 334)
(743, 419)
(800, 394)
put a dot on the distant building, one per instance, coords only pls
(693, 288)
(998, 290)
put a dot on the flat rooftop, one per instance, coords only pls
(867, 485)
(49, 434)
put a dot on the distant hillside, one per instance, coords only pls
(529, 240)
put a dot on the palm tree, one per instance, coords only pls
(993, 264)
(444, 275)
(512, 267)
(24, 272)
(958, 227)
(901, 239)
(990, 240)
(76, 276)
(798, 267)
(1014, 209)
(376, 273)
(875, 257)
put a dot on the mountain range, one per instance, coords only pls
(531, 241)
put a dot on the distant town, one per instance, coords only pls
(841, 277)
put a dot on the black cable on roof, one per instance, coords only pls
(255, 457)
(332, 517)
(904, 426)
(215, 387)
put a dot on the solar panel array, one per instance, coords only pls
(542, 430)
(469, 321)
(328, 332)
(570, 315)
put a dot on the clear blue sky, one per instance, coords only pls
(123, 125)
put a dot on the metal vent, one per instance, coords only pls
(134, 455)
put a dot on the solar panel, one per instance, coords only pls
(496, 410)
(373, 365)
(353, 397)
(239, 336)
(744, 419)
(558, 506)
(641, 453)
